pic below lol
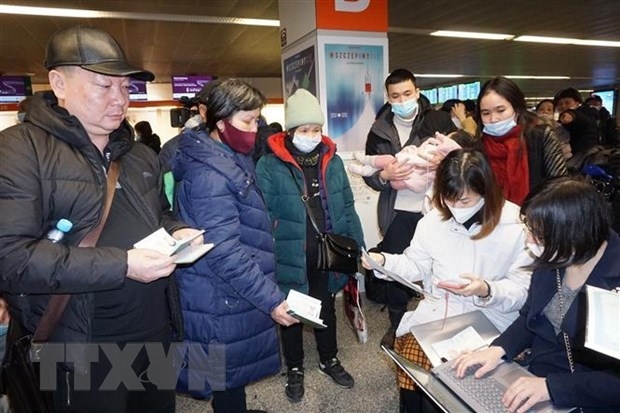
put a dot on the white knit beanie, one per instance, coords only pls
(302, 108)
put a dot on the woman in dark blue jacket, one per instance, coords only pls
(303, 158)
(569, 232)
(229, 297)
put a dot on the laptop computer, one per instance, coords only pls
(480, 395)
(451, 394)
(428, 334)
(443, 398)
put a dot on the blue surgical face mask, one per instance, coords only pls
(406, 109)
(500, 128)
(305, 143)
(4, 328)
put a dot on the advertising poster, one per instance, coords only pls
(300, 72)
(354, 91)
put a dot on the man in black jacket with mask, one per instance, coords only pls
(407, 119)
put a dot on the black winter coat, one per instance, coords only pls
(383, 139)
(49, 169)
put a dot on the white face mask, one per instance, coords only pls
(500, 128)
(536, 249)
(305, 143)
(547, 117)
(461, 215)
(457, 122)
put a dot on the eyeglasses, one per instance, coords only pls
(529, 229)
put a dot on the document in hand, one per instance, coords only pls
(377, 267)
(602, 332)
(164, 243)
(305, 308)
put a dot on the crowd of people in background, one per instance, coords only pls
(500, 203)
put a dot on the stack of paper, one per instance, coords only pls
(395, 277)
(602, 332)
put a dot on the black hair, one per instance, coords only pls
(570, 92)
(539, 104)
(509, 90)
(143, 128)
(276, 126)
(594, 98)
(470, 105)
(465, 140)
(399, 76)
(468, 169)
(569, 218)
(229, 97)
(449, 104)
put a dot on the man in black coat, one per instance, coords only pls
(55, 166)
(407, 119)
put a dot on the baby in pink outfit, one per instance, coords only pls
(425, 159)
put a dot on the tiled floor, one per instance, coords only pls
(375, 384)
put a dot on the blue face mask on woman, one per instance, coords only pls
(500, 128)
(406, 109)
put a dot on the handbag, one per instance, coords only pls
(353, 309)
(20, 368)
(337, 253)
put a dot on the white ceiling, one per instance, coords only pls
(187, 46)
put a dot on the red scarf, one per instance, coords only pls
(508, 159)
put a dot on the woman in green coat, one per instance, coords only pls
(303, 158)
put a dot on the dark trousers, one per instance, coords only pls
(292, 337)
(67, 399)
(229, 401)
(415, 401)
(396, 239)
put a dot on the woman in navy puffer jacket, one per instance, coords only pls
(229, 297)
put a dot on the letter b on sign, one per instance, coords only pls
(354, 15)
(352, 6)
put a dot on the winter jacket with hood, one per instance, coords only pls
(227, 296)
(51, 170)
(289, 215)
(383, 140)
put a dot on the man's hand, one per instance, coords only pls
(567, 117)
(146, 266)
(187, 232)
(396, 171)
(280, 315)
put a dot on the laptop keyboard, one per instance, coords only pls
(482, 395)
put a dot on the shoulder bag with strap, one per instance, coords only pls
(20, 377)
(337, 253)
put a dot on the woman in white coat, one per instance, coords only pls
(469, 250)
